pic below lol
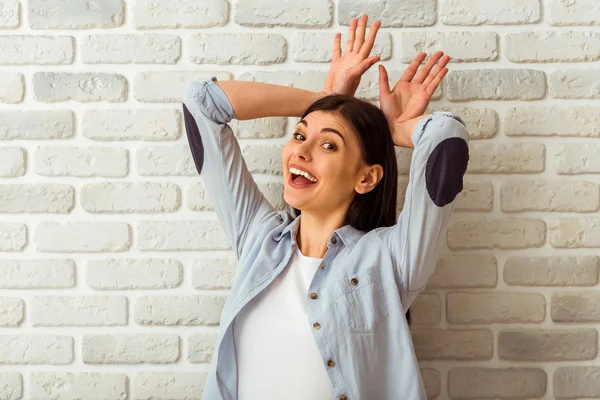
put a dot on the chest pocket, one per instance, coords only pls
(360, 300)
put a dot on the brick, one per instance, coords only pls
(432, 381)
(150, 14)
(83, 385)
(258, 13)
(75, 14)
(259, 128)
(138, 124)
(37, 124)
(552, 121)
(83, 162)
(263, 159)
(169, 385)
(549, 195)
(181, 235)
(460, 46)
(506, 158)
(130, 349)
(12, 162)
(36, 198)
(426, 310)
(13, 236)
(475, 196)
(213, 274)
(12, 87)
(237, 48)
(179, 310)
(481, 123)
(448, 344)
(133, 274)
(38, 50)
(576, 382)
(574, 159)
(552, 271)
(37, 274)
(480, 12)
(307, 80)
(11, 312)
(50, 87)
(396, 15)
(575, 84)
(130, 197)
(318, 47)
(165, 161)
(580, 12)
(74, 237)
(11, 383)
(491, 383)
(575, 232)
(474, 271)
(496, 84)
(79, 311)
(553, 46)
(548, 345)
(125, 49)
(36, 349)
(492, 307)
(157, 87)
(576, 307)
(488, 233)
(201, 347)
(9, 13)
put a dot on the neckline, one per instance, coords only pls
(307, 258)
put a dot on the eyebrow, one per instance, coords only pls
(324, 130)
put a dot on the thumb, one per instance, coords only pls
(384, 84)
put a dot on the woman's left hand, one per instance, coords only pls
(345, 71)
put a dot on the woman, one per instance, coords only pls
(317, 309)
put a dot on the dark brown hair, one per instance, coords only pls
(377, 208)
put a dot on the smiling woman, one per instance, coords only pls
(317, 309)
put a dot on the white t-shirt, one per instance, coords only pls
(277, 356)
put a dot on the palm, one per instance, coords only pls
(345, 71)
(412, 93)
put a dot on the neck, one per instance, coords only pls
(314, 230)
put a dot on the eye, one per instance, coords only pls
(329, 146)
(296, 134)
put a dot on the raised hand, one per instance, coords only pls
(411, 95)
(345, 71)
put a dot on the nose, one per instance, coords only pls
(302, 151)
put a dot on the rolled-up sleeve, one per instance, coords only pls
(239, 204)
(438, 165)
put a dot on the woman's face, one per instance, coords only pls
(328, 153)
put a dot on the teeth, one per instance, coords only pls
(304, 174)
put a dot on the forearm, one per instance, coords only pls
(402, 131)
(258, 100)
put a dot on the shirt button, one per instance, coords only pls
(354, 281)
(331, 363)
(343, 397)
(313, 296)
(322, 265)
(333, 240)
(317, 325)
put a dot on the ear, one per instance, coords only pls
(369, 178)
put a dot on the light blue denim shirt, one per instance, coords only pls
(366, 281)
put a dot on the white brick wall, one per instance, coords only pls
(114, 269)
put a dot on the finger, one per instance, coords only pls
(439, 66)
(435, 57)
(411, 70)
(360, 33)
(436, 81)
(384, 83)
(365, 65)
(337, 49)
(351, 33)
(370, 41)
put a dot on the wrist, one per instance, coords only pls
(401, 134)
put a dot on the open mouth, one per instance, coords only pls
(300, 181)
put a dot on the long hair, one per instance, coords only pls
(377, 208)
